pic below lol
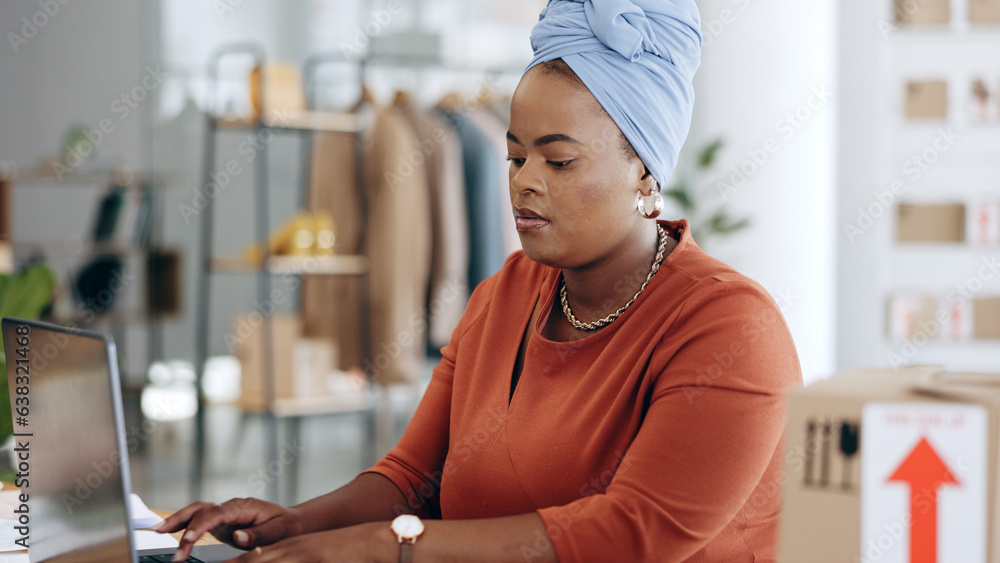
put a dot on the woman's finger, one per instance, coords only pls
(178, 520)
(204, 520)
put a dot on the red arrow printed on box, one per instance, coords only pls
(926, 473)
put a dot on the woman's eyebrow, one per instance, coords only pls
(546, 139)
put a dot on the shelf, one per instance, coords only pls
(288, 407)
(329, 122)
(81, 248)
(28, 177)
(341, 265)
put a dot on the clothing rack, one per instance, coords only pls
(308, 122)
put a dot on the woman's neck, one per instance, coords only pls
(602, 288)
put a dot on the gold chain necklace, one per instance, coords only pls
(660, 251)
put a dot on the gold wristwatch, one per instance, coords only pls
(407, 528)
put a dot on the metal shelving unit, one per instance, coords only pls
(279, 411)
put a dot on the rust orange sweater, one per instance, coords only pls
(654, 439)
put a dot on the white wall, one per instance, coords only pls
(763, 62)
(876, 143)
(63, 65)
(85, 57)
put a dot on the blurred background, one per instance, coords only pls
(843, 154)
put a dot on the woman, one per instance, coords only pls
(613, 393)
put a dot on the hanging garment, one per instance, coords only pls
(496, 133)
(399, 236)
(448, 292)
(332, 305)
(486, 248)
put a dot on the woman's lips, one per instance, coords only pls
(527, 220)
(525, 224)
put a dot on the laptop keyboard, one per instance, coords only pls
(165, 559)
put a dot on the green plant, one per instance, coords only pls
(24, 296)
(686, 193)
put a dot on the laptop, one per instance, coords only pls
(70, 441)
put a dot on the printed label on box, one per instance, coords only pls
(983, 223)
(923, 483)
(912, 315)
(958, 324)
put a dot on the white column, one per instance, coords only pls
(766, 86)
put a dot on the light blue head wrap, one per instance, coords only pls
(638, 58)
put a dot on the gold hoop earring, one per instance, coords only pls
(640, 204)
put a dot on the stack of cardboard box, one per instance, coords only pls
(893, 466)
(300, 365)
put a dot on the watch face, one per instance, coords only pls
(407, 526)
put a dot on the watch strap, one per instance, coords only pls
(405, 552)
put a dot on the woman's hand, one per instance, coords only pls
(241, 522)
(365, 542)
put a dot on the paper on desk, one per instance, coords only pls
(148, 539)
(144, 539)
(142, 517)
(7, 536)
(8, 502)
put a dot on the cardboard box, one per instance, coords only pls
(248, 330)
(986, 318)
(927, 100)
(910, 314)
(931, 223)
(984, 11)
(276, 88)
(313, 362)
(301, 365)
(832, 447)
(921, 12)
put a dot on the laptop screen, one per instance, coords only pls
(65, 399)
